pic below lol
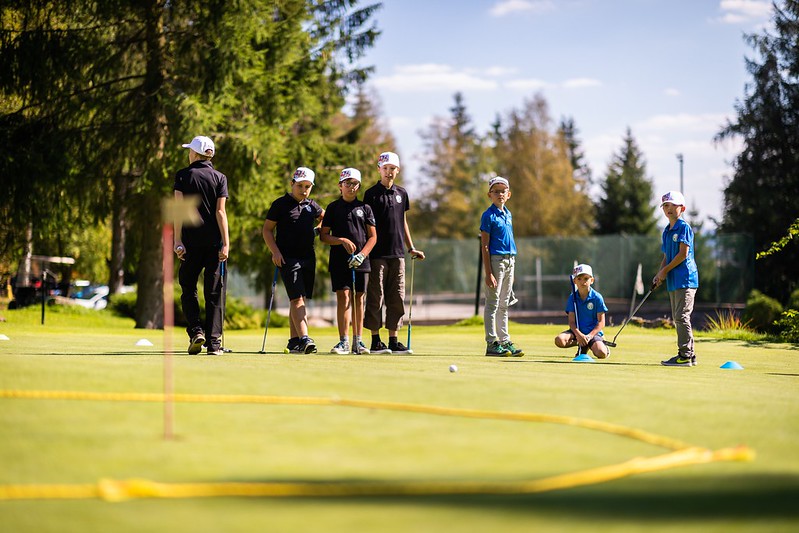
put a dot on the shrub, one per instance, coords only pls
(793, 300)
(726, 321)
(789, 325)
(761, 311)
(476, 320)
(238, 315)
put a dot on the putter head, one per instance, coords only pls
(610, 343)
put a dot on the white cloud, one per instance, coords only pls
(431, 77)
(530, 84)
(743, 11)
(706, 123)
(579, 83)
(507, 7)
(670, 91)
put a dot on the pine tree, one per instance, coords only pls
(625, 206)
(761, 197)
(454, 177)
(122, 83)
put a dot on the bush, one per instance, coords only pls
(761, 311)
(238, 315)
(789, 325)
(793, 300)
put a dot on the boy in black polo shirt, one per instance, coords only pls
(202, 247)
(296, 218)
(349, 228)
(389, 202)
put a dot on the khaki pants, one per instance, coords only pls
(386, 286)
(495, 314)
(682, 305)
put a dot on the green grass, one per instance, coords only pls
(59, 441)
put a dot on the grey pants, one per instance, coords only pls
(682, 305)
(386, 286)
(495, 315)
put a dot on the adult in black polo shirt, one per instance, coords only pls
(295, 218)
(203, 247)
(389, 202)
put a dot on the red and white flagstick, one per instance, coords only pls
(169, 321)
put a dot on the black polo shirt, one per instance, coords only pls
(295, 226)
(389, 206)
(351, 221)
(201, 179)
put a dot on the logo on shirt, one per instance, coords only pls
(674, 237)
(359, 213)
(590, 306)
(307, 208)
(399, 199)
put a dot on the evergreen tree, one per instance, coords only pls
(761, 197)
(625, 205)
(454, 184)
(582, 172)
(547, 199)
(105, 93)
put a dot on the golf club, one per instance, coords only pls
(575, 295)
(269, 312)
(223, 276)
(410, 306)
(612, 343)
(355, 348)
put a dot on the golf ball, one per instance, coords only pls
(453, 368)
(285, 350)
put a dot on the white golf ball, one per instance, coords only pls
(453, 368)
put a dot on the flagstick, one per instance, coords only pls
(169, 320)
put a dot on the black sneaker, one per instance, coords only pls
(307, 345)
(379, 347)
(196, 343)
(495, 349)
(399, 348)
(216, 351)
(514, 351)
(677, 360)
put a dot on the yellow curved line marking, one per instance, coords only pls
(120, 490)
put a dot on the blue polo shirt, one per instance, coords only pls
(685, 275)
(498, 224)
(587, 310)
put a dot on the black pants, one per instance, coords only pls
(196, 260)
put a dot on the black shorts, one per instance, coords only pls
(298, 277)
(342, 279)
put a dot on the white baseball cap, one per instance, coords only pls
(303, 174)
(388, 158)
(582, 269)
(498, 179)
(672, 197)
(350, 174)
(201, 145)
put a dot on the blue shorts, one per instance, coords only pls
(298, 277)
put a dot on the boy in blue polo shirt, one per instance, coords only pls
(591, 311)
(499, 259)
(678, 270)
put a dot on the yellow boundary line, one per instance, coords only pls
(111, 490)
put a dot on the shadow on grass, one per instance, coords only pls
(710, 498)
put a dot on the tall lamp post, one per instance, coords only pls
(680, 159)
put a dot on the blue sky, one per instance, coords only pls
(671, 70)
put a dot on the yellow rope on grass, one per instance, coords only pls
(120, 490)
(615, 429)
(112, 490)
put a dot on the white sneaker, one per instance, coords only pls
(361, 348)
(342, 348)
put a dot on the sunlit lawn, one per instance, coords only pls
(63, 441)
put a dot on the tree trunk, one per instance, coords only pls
(119, 223)
(150, 301)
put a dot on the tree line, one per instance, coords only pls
(96, 98)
